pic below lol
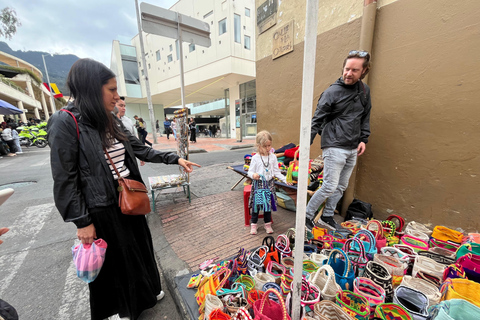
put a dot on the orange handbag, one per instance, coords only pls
(446, 234)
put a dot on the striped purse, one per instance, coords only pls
(354, 304)
(328, 310)
(371, 291)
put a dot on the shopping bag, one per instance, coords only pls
(344, 273)
(88, 259)
(267, 309)
(272, 254)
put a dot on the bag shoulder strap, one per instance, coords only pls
(75, 119)
(113, 164)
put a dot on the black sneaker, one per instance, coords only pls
(329, 221)
(309, 224)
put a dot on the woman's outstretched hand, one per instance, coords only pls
(187, 165)
(87, 234)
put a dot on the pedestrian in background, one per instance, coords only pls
(16, 139)
(86, 191)
(7, 136)
(193, 130)
(167, 125)
(142, 131)
(174, 128)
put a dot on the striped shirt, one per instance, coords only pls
(117, 153)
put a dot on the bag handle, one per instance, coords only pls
(282, 240)
(370, 238)
(113, 164)
(328, 272)
(348, 265)
(347, 247)
(378, 233)
(269, 241)
(401, 221)
(75, 119)
(266, 299)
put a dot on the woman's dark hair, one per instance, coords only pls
(85, 81)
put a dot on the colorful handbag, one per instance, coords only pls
(416, 226)
(415, 243)
(378, 274)
(324, 279)
(344, 273)
(471, 266)
(454, 310)
(262, 278)
(414, 301)
(212, 302)
(255, 260)
(328, 310)
(285, 283)
(276, 270)
(210, 285)
(254, 295)
(391, 311)
(272, 254)
(428, 266)
(454, 271)
(442, 259)
(242, 314)
(354, 304)
(358, 258)
(267, 309)
(371, 291)
(218, 314)
(448, 245)
(461, 289)
(398, 226)
(375, 227)
(445, 234)
(368, 241)
(394, 266)
(283, 246)
(262, 195)
(473, 248)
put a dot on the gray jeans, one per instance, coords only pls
(338, 166)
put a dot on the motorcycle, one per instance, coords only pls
(32, 136)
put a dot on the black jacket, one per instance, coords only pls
(345, 109)
(82, 178)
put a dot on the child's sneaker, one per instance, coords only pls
(268, 227)
(253, 228)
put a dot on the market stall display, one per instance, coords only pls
(342, 277)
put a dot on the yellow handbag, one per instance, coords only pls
(210, 285)
(461, 289)
(446, 234)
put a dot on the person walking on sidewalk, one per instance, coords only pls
(342, 118)
(86, 191)
(264, 164)
(167, 125)
(174, 128)
(142, 131)
(192, 126)
(127, 122)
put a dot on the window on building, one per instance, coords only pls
(149, 66)
(169, 58)
(171, 48)
(139, 64)
(143, 72)
(130, 70)
(191, 47)
(237, 28)
(246, 41)
(177, 47)
(208, 14)
(222, 26)
(247, 12)
(158, 55)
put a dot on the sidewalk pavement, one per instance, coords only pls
(185, 235)
(203, 144)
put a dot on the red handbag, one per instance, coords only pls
(267, 309)
(273, 254)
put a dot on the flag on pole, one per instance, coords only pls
(53, 88)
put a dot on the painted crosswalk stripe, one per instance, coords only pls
(75, 302)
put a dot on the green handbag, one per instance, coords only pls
(468, 248)
(456, 309)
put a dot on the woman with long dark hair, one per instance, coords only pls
(86, 190)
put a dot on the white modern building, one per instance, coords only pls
(215, 77)
(19, 88)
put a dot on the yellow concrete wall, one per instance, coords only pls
(423, 158)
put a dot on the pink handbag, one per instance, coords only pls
(267, 309)
(375, 227)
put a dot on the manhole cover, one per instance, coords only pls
(14, 185)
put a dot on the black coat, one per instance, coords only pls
(82, 177)
(345, 109)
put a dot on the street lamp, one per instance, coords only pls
(52, 101)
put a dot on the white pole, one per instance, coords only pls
(182, 79)
(52, 100)
(304, 153)
(145, 70)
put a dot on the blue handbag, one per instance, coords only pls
(344, 273)
(262, 195)
(369, 242)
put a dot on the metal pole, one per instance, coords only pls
(52, 100)
(145, 69)
(304, 154)
(182, 78)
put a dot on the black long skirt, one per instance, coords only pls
(129, 281)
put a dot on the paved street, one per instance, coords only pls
(36, 269)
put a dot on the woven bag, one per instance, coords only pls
(354, 304)
(379, 274)
(267, 309)
(369, 241)
(371, 291)
(394, 266)
(461, 289)
(218, 314)
(398, 226)
(416, 226)
(210, 285)
(242, 314)
(454, 310)
(262, 278)
(391, 311)
(358, 258)
(415, 243)
(375, 227)
(235, 303)
(285, 284)
(447, 245)
(324, 279)
(328, 310)
(344, 273)
(272, 254)
(428, 266)
(412, 300)
(274, 286)
(262, 195)
(473, 248)
(211, 303)
(276, 270)
(471, 266)
(288, 262)
(319, 259)
(432, 292)
(447, 234)
(283, 246)
(254, 295)
(442, 259)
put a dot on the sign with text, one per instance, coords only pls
(282, 40)
(266, 15)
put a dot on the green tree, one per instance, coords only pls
(8, 22)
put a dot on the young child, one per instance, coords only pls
(264, 163)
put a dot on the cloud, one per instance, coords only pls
(84, 28)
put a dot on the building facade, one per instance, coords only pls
(211, 74)
(21, 85)
(421, 161)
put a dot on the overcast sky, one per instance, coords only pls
(85, 28)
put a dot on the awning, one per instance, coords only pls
(7, 108)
